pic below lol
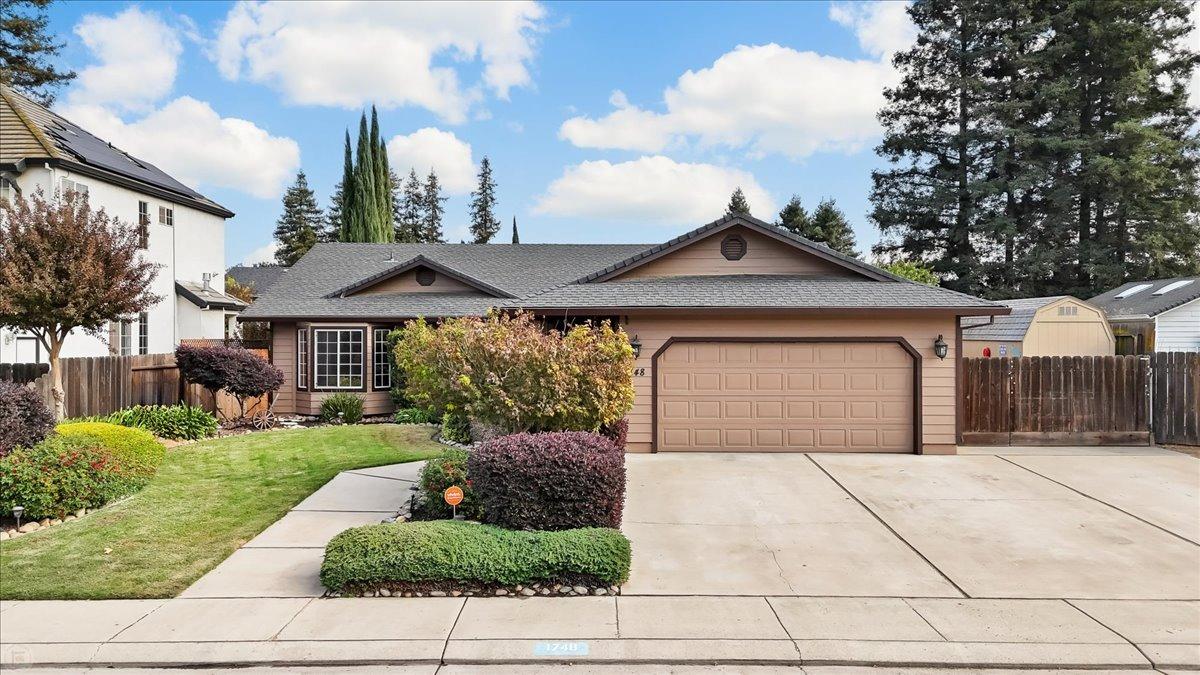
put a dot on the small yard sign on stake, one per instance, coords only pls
(453, 496)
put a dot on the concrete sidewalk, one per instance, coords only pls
(899, 632)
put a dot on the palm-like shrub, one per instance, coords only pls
(342, 407)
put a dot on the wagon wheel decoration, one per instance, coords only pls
(264, 419)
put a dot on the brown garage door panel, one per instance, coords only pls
(847, 397)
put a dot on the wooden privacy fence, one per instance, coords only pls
(99, 385)
(1085, 400)
(22, 373)
(1175, 397)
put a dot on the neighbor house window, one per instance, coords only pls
(339, 357)
(302, 358)
(383, 364)
(7, 190)
(166, 216)
(125, 336)
(143, 225)
(68, 185)
(144, 333)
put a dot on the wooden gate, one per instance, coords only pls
(1175, 397)
(1053, 400)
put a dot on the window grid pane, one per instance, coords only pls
(382, 360)
(143, 333)
(339, 358)
(302, 358)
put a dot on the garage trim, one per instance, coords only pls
(904, 344)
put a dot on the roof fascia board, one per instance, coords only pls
(716, 227)
(152, 190)
(958, 311)
(419, 261)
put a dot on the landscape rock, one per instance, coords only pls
(3, 535)
(563, 590)
(385, 592)
(581, 590)
(501, 591)
(528, 592)
(70, 517)
(56, 521)
(437, 594)
(31, 526)
(600, 591)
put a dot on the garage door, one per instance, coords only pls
(785, 397)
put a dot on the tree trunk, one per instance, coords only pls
(56, 379)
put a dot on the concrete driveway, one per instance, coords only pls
(1071, 523)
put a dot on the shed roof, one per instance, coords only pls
(1010, 328)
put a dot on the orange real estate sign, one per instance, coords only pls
(453, 495)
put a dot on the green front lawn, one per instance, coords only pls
(206, 500)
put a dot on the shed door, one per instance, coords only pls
(785, 397)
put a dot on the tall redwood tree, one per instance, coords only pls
(64, 266)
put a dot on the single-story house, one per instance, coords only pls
(1058, 325)
(749, 338)
(1162, 315)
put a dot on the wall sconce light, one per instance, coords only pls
(940, 348)
(637, 346)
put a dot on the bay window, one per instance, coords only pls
(339, 358)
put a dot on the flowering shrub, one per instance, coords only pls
(24, 417)
(549, 481)
(507, 371)
(439, 473)
(136, 450)
(61, 475)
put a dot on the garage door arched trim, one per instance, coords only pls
(903, 343)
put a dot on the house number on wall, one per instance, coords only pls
(639, 372)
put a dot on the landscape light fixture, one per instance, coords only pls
(637, 346)
(940, 348)
(17, 512)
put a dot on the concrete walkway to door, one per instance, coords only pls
(1072, 523)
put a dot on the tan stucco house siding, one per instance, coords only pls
(763, 255)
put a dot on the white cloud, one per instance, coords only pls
(766, 99)
(656, 190)
(882, 28)
(138, 56)
(349, 54)
(189, 140)
(262, 254)
(431, 148)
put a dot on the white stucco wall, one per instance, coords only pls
(1178, 329)
(195, 244)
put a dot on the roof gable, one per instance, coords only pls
(412, 264)
(852, 265)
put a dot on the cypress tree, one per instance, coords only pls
(516, 239)
(385, 228)
(300, 225)
(432, 210)
(347, 227)
(484, 223)
(737, 203)
(366, 210)
(793, 217)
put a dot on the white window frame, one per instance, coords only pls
(381, 380)
(68, 185)
(166, 216)
(344, 359)
(302, 356)
(125, 337)
(7, 190)
(143, 224)
(143, 333)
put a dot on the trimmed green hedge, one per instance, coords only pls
(454, 550)
(138, 452)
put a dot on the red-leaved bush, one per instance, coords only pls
(24, 417)
(238, 371)
(549, 481)
(617, 432)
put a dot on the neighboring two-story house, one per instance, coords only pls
(181, 230)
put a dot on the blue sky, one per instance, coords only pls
(608, 122)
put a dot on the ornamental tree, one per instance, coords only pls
(237, 371)
(64, 266)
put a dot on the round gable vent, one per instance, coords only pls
(426, 276)
(733, 247)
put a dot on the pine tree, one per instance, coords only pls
(410, 216)
(737, 203)
(26, 44)
(793, 217)
(347, 224)
(432, 210)
(300, 224)
(829, 226)
(928, 203)
(484, 223)
(334, 214)
(403, 232)
(516, 238)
